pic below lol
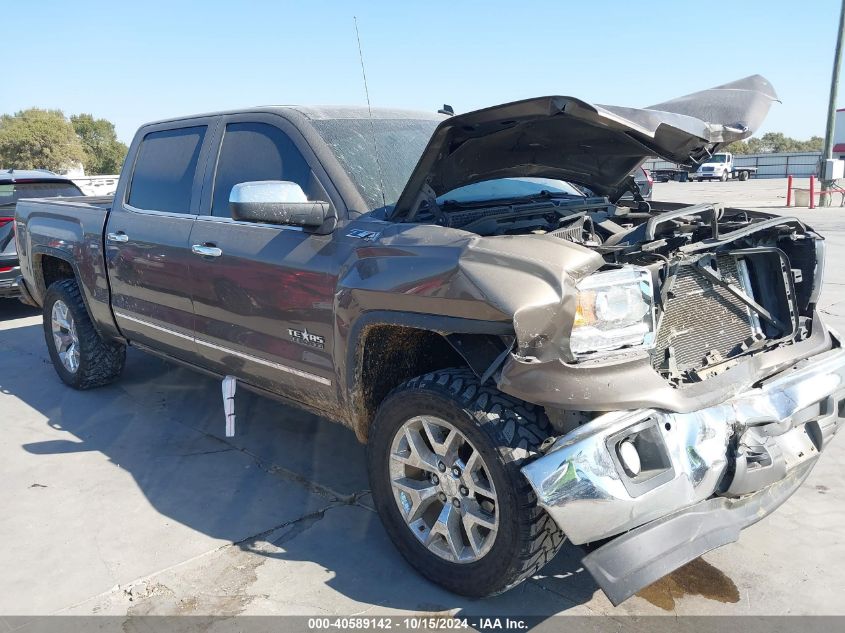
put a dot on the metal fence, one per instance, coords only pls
(779, 165)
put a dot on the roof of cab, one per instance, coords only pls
(315, 113)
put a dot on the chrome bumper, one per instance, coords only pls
(9, 283)
(779, 428)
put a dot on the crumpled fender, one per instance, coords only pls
(533, 279)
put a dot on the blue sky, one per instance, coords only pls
(133, 62)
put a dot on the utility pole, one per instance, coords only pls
(824, 200)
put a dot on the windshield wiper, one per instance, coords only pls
(532, 197)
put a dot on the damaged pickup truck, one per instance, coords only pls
(529, 359)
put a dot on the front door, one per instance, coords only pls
(263, 296)
(147, 240)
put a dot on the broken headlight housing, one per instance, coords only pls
(818, 276)
(614, 310)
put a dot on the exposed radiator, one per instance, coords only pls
(702, 317)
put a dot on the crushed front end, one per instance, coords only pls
(695, 392)
(676, 485)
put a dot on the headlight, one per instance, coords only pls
(614, 309)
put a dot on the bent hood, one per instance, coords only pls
(592, 145)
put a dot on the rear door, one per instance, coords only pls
(263, 305)
(147, 236)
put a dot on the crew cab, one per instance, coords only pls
(528, 359)
(720, 166)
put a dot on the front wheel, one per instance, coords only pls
(82, 359)
(443, 459)
(724, 176)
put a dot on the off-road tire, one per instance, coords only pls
(100, 362)
(506, 431)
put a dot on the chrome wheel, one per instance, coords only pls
(443, 489)
(64, 336)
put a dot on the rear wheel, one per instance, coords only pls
(82, 359)
(743, 175)
(443, 458)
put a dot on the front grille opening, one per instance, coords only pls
(704, 324)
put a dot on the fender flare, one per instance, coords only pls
(473, 339)
(39, 252)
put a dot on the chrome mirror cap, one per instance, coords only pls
(266, 191)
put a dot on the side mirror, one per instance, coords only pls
(278, 202)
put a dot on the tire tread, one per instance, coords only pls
(518, 429)
(101, 362)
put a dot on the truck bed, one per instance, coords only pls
(82, 202)
(69, 229)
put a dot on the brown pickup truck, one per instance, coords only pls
(528, 357)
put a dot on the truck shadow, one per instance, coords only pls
(163, 425)
(13, 309)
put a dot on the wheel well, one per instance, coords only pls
(54, 269)
(390, 355)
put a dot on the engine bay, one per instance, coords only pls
(728, 283)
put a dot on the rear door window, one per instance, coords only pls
(165, 168)
(256, 151)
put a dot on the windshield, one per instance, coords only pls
(10, 193)
(717, 158)
(400, 144)
(504, 188)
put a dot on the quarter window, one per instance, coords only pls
(165, 168)
(256, 151)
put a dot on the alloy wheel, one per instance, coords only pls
(443, 489)
(64, 336)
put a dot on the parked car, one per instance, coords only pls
(643, 180)
(645, 184)
(665, 174)
(720, 166)
(526, 363)
(99, 185)
(14, 185)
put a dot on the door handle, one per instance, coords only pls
(206, 250)
(120, 236)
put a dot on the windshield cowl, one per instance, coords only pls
(506, 190)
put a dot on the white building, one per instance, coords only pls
(839, 134)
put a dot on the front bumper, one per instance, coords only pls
(8, 282)
(751, 451)
(640, 557)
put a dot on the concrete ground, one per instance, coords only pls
(129, 500)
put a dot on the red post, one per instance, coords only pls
(812, 192)
(789, 191)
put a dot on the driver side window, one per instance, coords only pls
(256, 151)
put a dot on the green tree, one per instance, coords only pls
(813, 144)
(39, 139)
(737, 147)
(775, 142)
(104, 154)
